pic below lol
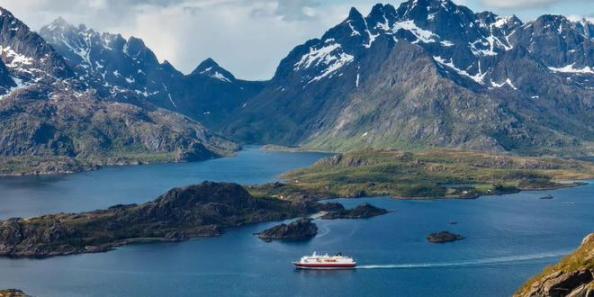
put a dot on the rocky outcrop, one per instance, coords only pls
(302, 229)
(572, 277)
(196, 211)
(364, 211)
(444, 237)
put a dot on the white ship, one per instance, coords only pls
(325, 261)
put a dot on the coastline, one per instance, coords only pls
(59, 166)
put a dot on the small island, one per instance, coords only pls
(444, 237)
(364, 211)
(299, 230)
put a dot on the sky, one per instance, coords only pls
(247, 37)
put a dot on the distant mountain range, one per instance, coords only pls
(427, 73)
(128, 71)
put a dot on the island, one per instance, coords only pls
(299, 230)
(364, 211)
(444, 237)
(434, 174)
(573, 276)
(202, 210)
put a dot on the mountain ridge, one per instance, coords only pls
(478, 52)
(120, 68)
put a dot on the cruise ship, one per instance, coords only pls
(325, 261)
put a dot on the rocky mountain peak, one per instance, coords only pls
(28, 58)
(355, 15)
(59, 25)
(212, 69)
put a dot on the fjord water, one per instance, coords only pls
(32, 196)
(508, 239)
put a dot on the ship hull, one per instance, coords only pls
(325, 266)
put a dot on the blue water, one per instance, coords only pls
(508, 239)
(33, 196)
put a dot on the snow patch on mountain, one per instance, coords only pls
(478, 78)
(572, 69)
(20, 84)
(422, 35)
(507, 82)
(220, 76)
(331, 57)
(13, 59)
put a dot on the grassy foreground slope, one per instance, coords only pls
(431, 174)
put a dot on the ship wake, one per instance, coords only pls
(479, 262)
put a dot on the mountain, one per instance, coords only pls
(26, 57)
(573, 276)
(54, 120)
(126, 68)
(432, 73)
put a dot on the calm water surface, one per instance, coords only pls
(509, 239)
(32, 196)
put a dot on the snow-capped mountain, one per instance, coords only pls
(26, 57)
(113, 65)
(56, 116)
(458, 79)
(128, 70)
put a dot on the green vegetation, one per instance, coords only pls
(430, 174)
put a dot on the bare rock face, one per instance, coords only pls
(302, 229)
(572, 277)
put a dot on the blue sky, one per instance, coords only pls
(248, 37)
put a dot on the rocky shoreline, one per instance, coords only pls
(50, 166)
